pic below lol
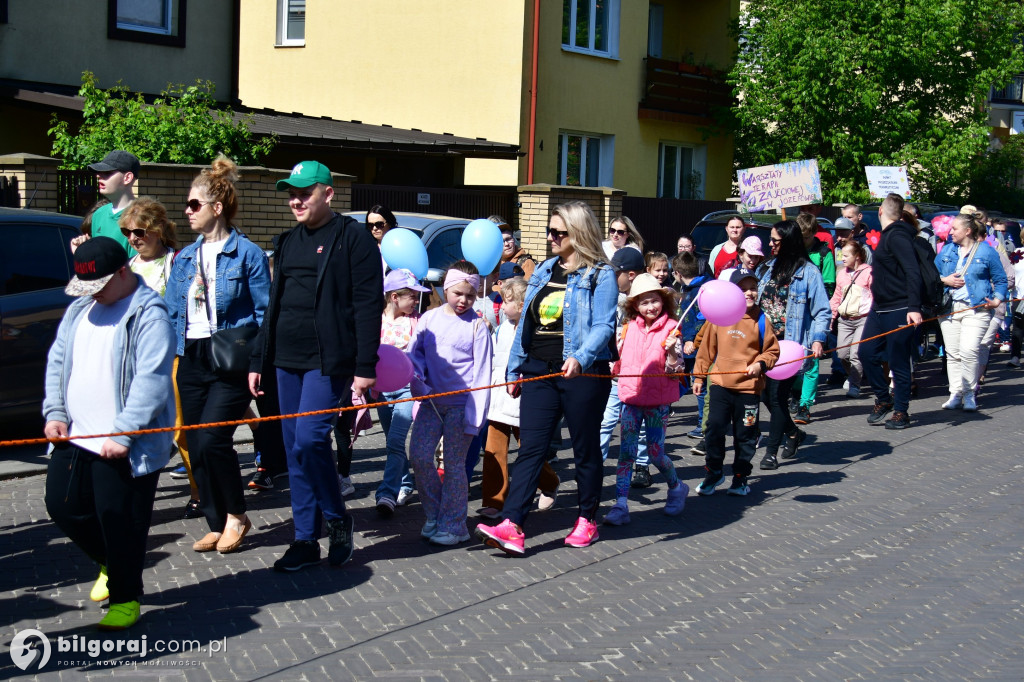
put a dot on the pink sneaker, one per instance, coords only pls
(583, 534)
(504, 536)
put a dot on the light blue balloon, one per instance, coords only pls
(482, 245)
(403, 248)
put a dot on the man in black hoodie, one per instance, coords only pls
(896, 287)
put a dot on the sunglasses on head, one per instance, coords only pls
(195, 204)
(379, 225)
(621, 233)
(139, 233)
(558, 234)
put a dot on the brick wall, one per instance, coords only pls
(36, 178)
(537, 201)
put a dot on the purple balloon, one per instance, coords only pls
(394, 369)
(790, 352)
(722, 303)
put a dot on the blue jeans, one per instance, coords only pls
(312, 474)
(395, 420)
(612, 414)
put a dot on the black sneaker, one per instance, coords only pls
(836, 379)
(879, 413)
(793, 441)
(900, 420)
(700, 449)
(641, 477)
(769, 461)
(385, 507)
(339, 533)
(300, 554)
(710, 482)
(261, 480)
(802, 416)
(192, 510)
(794, 406)
(739, 486)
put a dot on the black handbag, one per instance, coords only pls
(230, 349)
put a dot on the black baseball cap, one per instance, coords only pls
(96, 261)
(628, 258)
(118, 160)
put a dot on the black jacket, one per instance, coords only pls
(347, 308)
(895, 275)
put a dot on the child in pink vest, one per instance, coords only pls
(650, 312)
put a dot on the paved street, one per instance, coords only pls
(875, 555)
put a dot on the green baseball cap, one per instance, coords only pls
(306, 173)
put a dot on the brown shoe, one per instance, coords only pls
(208, 543)
(231, 538)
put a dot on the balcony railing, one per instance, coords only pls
(685, 90)
(1013, 92)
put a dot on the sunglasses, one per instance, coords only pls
(139, 234)
(194, 204)
(621, 233)
(773, 240)
(558, 235)
(379, 225)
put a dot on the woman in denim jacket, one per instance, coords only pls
(974, 275)
(566, 328)
(220, 281)
(792, 295)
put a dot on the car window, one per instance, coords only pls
(34, 257)
(706, 237)
(445, 247)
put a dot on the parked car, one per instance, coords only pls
(35, 266)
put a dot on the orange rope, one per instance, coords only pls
(259, 420)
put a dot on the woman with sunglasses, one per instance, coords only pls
(566, 329)
(621, 233)
(792, 296)
(380, 219)
(220, 281)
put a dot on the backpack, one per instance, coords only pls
(932, 288)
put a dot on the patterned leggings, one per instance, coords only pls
(446, 503)
(633, 418)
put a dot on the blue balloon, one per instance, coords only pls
(482, 245)
(403, 248)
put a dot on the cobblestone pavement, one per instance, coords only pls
(874, 555)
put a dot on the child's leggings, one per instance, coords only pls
(633, 417)
(445, 502)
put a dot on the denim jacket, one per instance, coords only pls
(808, 314)
(694, 319)
(984, 276)
(144, 343)
(242, 290)
(588, 316)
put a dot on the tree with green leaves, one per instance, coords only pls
(183, 125)
(859, 83)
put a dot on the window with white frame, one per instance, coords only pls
(585, 159)
(591, 26)
(681, 171)
(291, 22)
(161, 22)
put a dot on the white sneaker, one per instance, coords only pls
(853, 392)
(955, 402)
(404, 495)
(1004, 348)
(346, 485)
(970, 404)
(448, 538)
(429, 529)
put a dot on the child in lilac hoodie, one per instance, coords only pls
(450, 351)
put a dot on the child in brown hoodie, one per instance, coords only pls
(749, 348)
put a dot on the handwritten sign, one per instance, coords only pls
(884, 180)
(785, 184)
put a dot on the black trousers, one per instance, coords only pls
(775, 396)
(581, 401)
(206, 398)
(267, 437)
(105, 511)
(731, 411)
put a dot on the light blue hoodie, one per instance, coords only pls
(144, 341)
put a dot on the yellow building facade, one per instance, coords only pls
(465, 67)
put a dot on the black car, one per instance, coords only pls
(35, 266)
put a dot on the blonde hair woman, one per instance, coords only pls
(566, 329)
(622, 233)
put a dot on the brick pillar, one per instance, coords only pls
(537, 201)
(35, 177)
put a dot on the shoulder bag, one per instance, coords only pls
(230, 349)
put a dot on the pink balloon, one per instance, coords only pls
(722, 303)
(789, 352)
(394, 369)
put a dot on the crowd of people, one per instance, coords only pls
(603, 335)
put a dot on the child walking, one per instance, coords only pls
(503, 415)
(749, 348)
(646, 400)
(398, 324)
(451, 350)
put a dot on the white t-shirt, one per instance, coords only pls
(92, 390)
(201, 325)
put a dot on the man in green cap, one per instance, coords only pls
(320, 335)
